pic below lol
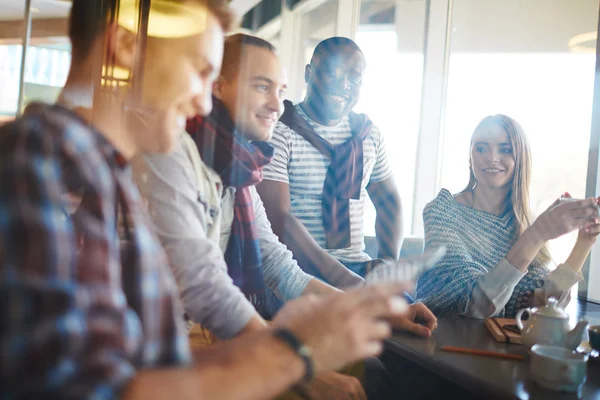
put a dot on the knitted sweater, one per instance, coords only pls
(474, 269)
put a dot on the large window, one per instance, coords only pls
(432, 73)
(390, 35)
(315, 25)
(48, 55)
(45, 73)
(521, 58)
(10, 67)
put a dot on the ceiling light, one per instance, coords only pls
(583, 43)
(167, 18)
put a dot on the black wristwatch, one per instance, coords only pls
(303, 351)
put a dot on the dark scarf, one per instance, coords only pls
(239, 164)
(344, 175)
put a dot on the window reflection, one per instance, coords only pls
(48, 55)
(317, 24)
(524, 69)
(392, 41)
(45, 73)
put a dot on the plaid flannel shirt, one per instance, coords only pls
(80, 311)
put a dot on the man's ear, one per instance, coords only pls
(122, 46)
(218, 87)
(307, 71)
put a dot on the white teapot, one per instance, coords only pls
(550, 325)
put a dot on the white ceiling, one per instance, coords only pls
(15, 9)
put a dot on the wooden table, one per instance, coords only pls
(487, 377)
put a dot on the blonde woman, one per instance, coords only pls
(497, 259)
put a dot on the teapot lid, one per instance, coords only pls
(552, 310)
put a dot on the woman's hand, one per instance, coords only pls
(589, 234)
(562, 218)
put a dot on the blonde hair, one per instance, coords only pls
(519, 193)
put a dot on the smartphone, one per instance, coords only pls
(512, 328)
(570, 199)
(407, 269)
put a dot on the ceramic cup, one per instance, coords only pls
(594, 334)
(557, 368)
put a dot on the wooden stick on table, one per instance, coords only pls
(476, 352)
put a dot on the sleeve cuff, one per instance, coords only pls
(275, 178)
(501, 280)
(382, 177)
(503, 275)
(565, 277)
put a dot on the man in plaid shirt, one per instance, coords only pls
(82, 316)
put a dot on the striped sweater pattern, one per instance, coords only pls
(476, 241)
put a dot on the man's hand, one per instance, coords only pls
(418, 320)
(342, 328)
(333, 386)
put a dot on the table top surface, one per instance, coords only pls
(487, 376)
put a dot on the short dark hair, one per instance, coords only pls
(332, 45)
(234, 47)
(88, 20)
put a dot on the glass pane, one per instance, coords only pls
(10, 67)
(317, 24)
(46, 71)
(391, 36)
(261, 14)
(275, 40)
(49, 53)
(48, 56)
(525, 59)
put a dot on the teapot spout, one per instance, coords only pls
(575, 337)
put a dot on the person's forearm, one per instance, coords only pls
(318, 287)
(493, 290)
(579, 254)
(256, 324)
(310, 256)
(227, 372)
(207, 292)
(389, 227)
(525, 249)
(389, 230)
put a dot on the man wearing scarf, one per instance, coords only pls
(205, 189)
(85, 315)
(327, 159)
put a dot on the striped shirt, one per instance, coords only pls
(300, 165)
(79, 314)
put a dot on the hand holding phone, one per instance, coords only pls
(406, 269)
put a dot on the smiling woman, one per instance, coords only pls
(497, 260)
(492, 159)
(500, 172)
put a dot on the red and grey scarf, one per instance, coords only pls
(239, 164)
(344, 175)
